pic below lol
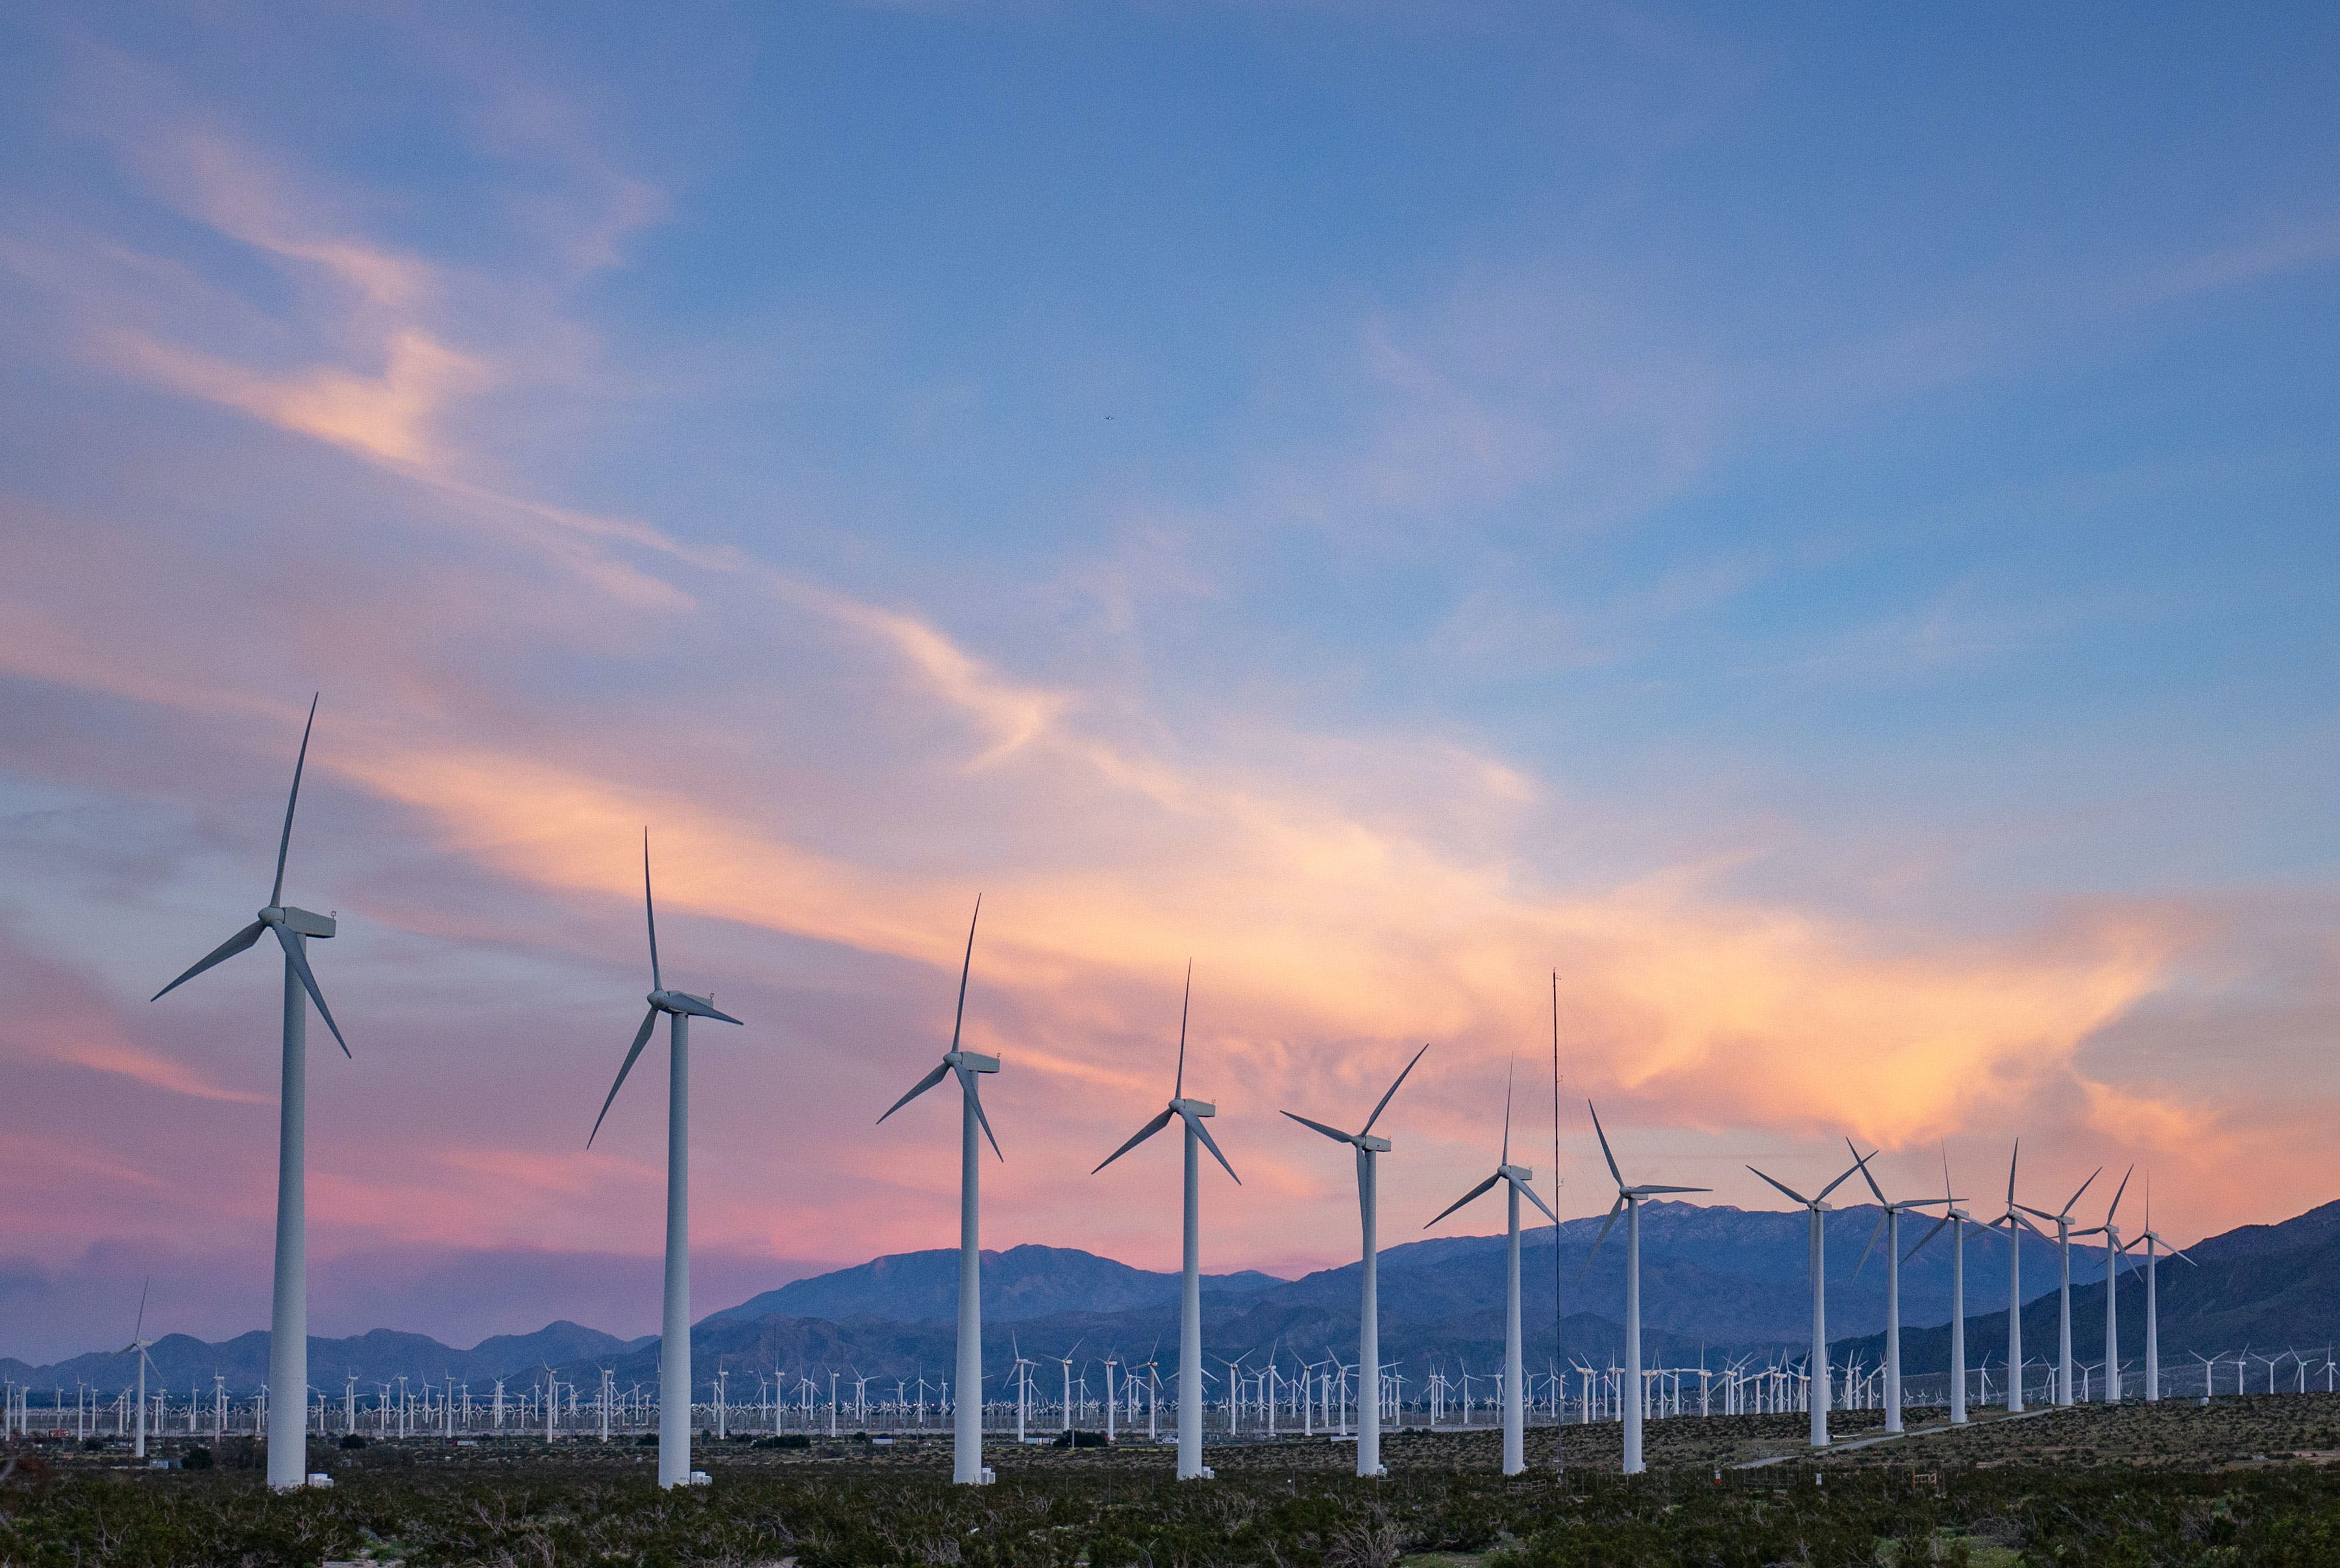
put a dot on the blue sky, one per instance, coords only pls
(1816, 525)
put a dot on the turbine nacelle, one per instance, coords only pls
(301, 922)
(684, 1003)
(1194, 1108)
(970, 1061)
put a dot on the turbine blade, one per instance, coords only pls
(292, 956)
(699, 1009)
(1597, 1240)
(2175, 1253)
(974, 1098)
(1865, 1175)
(138, 1334)
(2083, 1187)
(284, 841)
(219, 954)
(1392, 1091)
(1603, 1136)
(1871, 1247)
(1926, 1238)
(1466, 1197)
(1784, 1187)
(1834, 1185)
(1510, 1072)
(1531, 1198)
(1211, 1144)
(967, 967)
(642, 1038)
(2011, 1160)
(2117, 1194)
(1147, 1131)
(1334, 1133)
(1178, 1090)
(650, 912)
(1646, 1191)
(941, 1072)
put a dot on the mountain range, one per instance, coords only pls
(1717, 1280)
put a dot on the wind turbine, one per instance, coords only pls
(2062, 1220)
(1629, 1199)
(1515, 1179)
(1190, 1289)
(2151, 1240)
(966, 1413)
(2111, 1233)
(1955, 1218)
(288, 1322)
(1818, 1206)
(1369, 1326)
(674, 1333)
(138, 1343)
(1888, 1225)
(2015, 1226)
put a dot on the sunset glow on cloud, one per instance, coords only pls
(1250, 546)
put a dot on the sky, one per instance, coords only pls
(1813, 527)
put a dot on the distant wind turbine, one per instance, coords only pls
(1515, 1179)
(1368, 1327)
(674, 1333)
(2113, 1249)
(2151, 1240)
(1956, 1218)
(1189, 1112)
(2062, 1221)
(138, 1343)
(1629, 1199)
(1888, 1225)
(1817, 1206)
(288, 1322)
(967, 1413)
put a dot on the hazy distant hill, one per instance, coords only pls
(1718, 1279)
(1022, 1283)
(181, 1360)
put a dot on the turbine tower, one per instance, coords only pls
(674, 1333)
(2015, 1226)
(138, 1343)
(1818, 1206)
(1955, 1218)
(288, 1322)
(1190, 1288)
(1368, 1327)
(2063, 1222)
(966, 1411)
(1515, 1179)
(2151, 1240)
(1629, 1199)
(1888, 1225)
(2113, 1249)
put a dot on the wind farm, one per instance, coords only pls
(1459, 577)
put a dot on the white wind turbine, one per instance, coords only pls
(1630, 1392)
(1818, 1206)
(2062, 1220)
(2113, 1249)
(1368, 1327)
(288, 1322)
(2015, 1226)
(138, 1343)
(674, 1333)
(1888, 1225)
(1515, 1179)
(1956, 1218)
(2151, 1240)
(967, 1413)
(1190, 1289)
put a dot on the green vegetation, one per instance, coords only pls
(2160, 1487)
